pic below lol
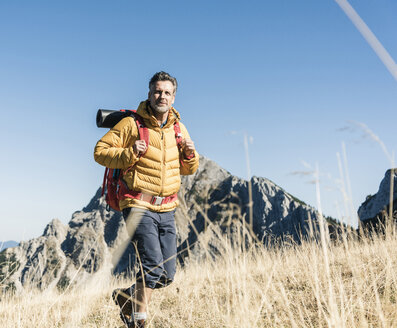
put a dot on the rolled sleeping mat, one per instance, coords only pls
(108, 118)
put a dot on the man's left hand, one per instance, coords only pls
(188, 147)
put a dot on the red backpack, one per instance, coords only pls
(112, 183)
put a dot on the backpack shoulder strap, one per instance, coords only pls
(178, 135)
(143, 131)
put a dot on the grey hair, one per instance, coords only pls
(163, 76)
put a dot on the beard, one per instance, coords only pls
(161, 109)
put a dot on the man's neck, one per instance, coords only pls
(161, 117)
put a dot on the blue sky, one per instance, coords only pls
(290, 74)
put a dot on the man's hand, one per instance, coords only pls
(139, 147)
(188, 147)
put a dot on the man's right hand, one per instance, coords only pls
(139, 147)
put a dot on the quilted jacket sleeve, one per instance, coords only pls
(114, 150)
(189, 165)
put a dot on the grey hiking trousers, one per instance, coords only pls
(155, 238)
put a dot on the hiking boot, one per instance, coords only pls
(123, 298)
(139, 324)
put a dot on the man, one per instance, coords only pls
(151, 174)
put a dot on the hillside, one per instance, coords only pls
(351, 284)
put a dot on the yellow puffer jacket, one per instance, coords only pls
(158, 171)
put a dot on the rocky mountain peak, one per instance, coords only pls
(55, 228)
(371, 209)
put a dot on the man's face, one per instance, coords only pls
(161, 96)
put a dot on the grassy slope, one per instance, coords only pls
(350, 284)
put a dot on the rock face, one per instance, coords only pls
(376, 207)
(96, 240)
(213, 196)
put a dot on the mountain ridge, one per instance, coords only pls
(94, 239)
(375, 209)
(7, 244)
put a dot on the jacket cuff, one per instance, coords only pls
(134, 158)
(191, 159)
(192, 155)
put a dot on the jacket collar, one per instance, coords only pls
(146, 112)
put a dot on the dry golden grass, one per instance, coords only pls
(292, 286)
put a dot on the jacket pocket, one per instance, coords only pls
(129, 179)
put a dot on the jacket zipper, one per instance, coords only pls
(163, 162)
